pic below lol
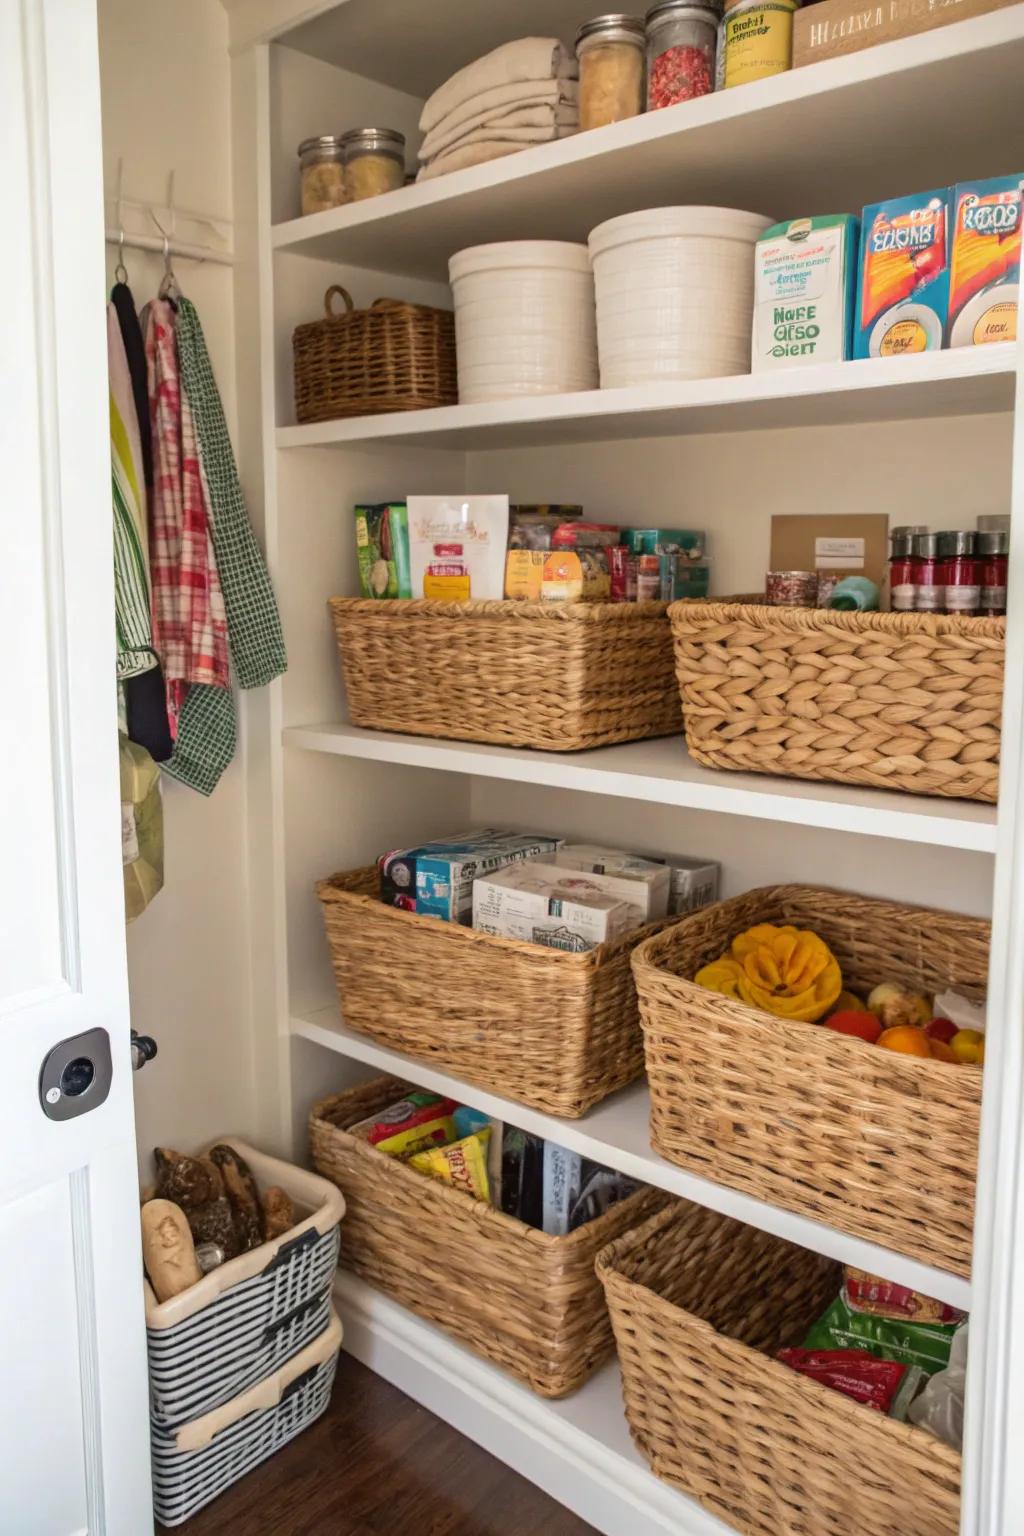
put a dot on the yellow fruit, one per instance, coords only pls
(907, 1039)
(896, 1007)
(787, 971)
(849, 1002)
(968, 1046)
(941, 1051)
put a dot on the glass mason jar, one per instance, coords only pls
(322, 173)
(681, 42)
(993, 553)
(374, 161)
(961, 572)
(610, 50)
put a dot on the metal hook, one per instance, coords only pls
(120, 271)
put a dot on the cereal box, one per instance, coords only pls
(436, 879)
(542, 904)
(985, 264)
(641, 882)
(903, 277)
(804, 284)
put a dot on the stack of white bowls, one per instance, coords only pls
(524, 319)
(675, 293)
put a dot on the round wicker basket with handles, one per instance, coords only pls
(393, 356)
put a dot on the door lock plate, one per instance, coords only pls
(76, 1075)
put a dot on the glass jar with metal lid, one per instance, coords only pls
(960, 572)
(681, 42)
(610, 50)
(374, 161)
(322, 173)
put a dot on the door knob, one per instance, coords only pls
(76, 1075)
(143, 1050)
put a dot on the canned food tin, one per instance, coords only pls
(792, 589)
(755, 40)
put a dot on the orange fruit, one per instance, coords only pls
(941, 1050)
(906, 1038)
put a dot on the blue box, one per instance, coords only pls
(903, 275)
(436, 879)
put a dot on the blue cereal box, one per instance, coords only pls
(985, 267)
(903, 275)
(436, 879)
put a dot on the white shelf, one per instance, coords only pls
(821, 139)
(616, 1133)
(578, 1449)
(662, 772)
(966, 382)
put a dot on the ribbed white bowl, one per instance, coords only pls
(524, 319)
(675, 293)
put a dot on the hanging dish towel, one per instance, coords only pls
(254, 626)
(135, 353)
(207, 736)
(189, 620)
(134, 631)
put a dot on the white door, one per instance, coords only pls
(73, 1395)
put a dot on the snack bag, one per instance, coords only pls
(882, 1385)
(463, 1164)
(922, 1344)
(419, 1120)
(382, 550)
(881, 1298)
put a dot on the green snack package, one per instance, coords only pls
(382, 549)
(923, 1344)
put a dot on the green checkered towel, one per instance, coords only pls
(254, 626)
(207, 729)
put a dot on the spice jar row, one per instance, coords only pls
(960, 572)
(338, 168)
(682, 49)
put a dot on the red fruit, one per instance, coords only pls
(864, 1025)
(940, 1029)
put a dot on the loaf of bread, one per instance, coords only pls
(168, 1251)
(188, 1181)
(215, 1222)
(241, 1190)
(278, 1212)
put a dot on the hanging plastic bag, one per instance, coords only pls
(142, 827)
(940, 1406)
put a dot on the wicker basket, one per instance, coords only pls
(870, 1141)
(700, 1305)
(557, 676)
(529, 1302)
(390, 357)
(553, 1030)
(895, 700)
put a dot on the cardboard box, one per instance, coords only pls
(903, 275)
(984, 268)
(835, 27)
(805, 283)
(436, 879)
(694, 884)
(649, 880)
(854, 545)
(542, 904)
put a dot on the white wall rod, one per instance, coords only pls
(177, 248)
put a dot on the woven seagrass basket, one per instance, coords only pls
(557, 676)
(870, 1141)
(553, 1030)
(905, 701)
(529, 1302)
(363, 362)
(700, 1305)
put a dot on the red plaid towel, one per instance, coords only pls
(190, 631)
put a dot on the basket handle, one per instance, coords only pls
(329, 297)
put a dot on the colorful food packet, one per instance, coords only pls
(923, 1344)
(882, 1385)
(418, 1121)
(463, 1164)
(882, 1298)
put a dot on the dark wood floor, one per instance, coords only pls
(377, 1464)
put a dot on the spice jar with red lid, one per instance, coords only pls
(681, 43)
(929, 595)
(993, 555)
(960, 573)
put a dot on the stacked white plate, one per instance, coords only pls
(524, 319)
(675, 293)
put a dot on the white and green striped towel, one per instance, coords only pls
(134, 628)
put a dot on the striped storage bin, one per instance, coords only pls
(243, 1320)
(195, 1463)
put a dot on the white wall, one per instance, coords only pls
(166, 105)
